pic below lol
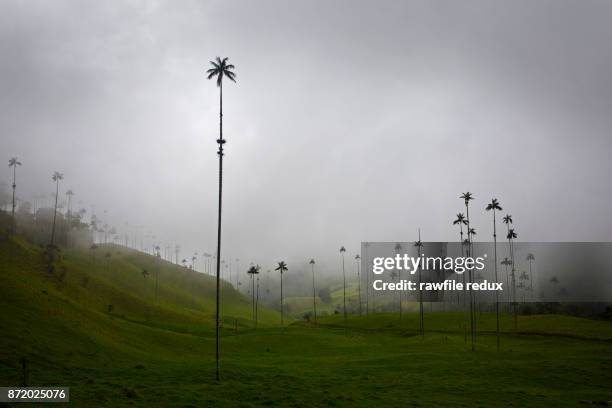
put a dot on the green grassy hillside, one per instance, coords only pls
(99, 308)
(160, 352)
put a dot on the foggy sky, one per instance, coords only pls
(350, 121)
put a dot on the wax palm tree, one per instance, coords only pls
(69, 193)
(512, 235)
(342, 251)
(57, 177)
(367, 274)
(494, 206)
(419, 246)
(467, 197)
(358, 261)
(282, 268)
(461, 221)
(221, 68)
(252, 271)
(14, 162)
(507, 262)
(157, 258)
(398, 249)
(314, 295)
(508, 221)
(522, 284)
(530, 258)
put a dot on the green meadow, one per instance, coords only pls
(97, 324)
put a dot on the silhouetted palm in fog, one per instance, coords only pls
(57, 177)
(157, 254)
(511, 237)
(282, 268)
(494, 206)
(220, 69)
(461, 221)
(358, 261)
(530, 258)
(252, 271)
(508, 221)
(342, 251)
(314, 293)
(14, 162)
(523, 277)
(467, 197)
(507, 262)
(398, 249)
(419, 247)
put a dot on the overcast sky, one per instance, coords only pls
(350, 121)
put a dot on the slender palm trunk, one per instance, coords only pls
(13, 226)
(218, 283)
(530, 278)
(367, 291)
(257, 303)
(314, 294)
(399, 293)
(344, 293)
(467, 210)
(157, 279)
(54, 213)
(496, 292)
(359, 284)
(253, 295)
(464, 296)
(282, 309)
(514, 305)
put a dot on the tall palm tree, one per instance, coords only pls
(398, 249)
(494, 206)
(367, 274)
(506, 262)
(358, 261)
(467, 197)
(69, 193)
(220, 69)
(342, 251)
(57, 177)
(508, 221)
(461, 221)
(282, 268)
(511, 237)
(157, 258)
(256, 299)
(522, 278)
(14, 162)
(530, 258)
(252, 271)
(419, 246)
(314, 293)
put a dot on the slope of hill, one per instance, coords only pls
(97, 305)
